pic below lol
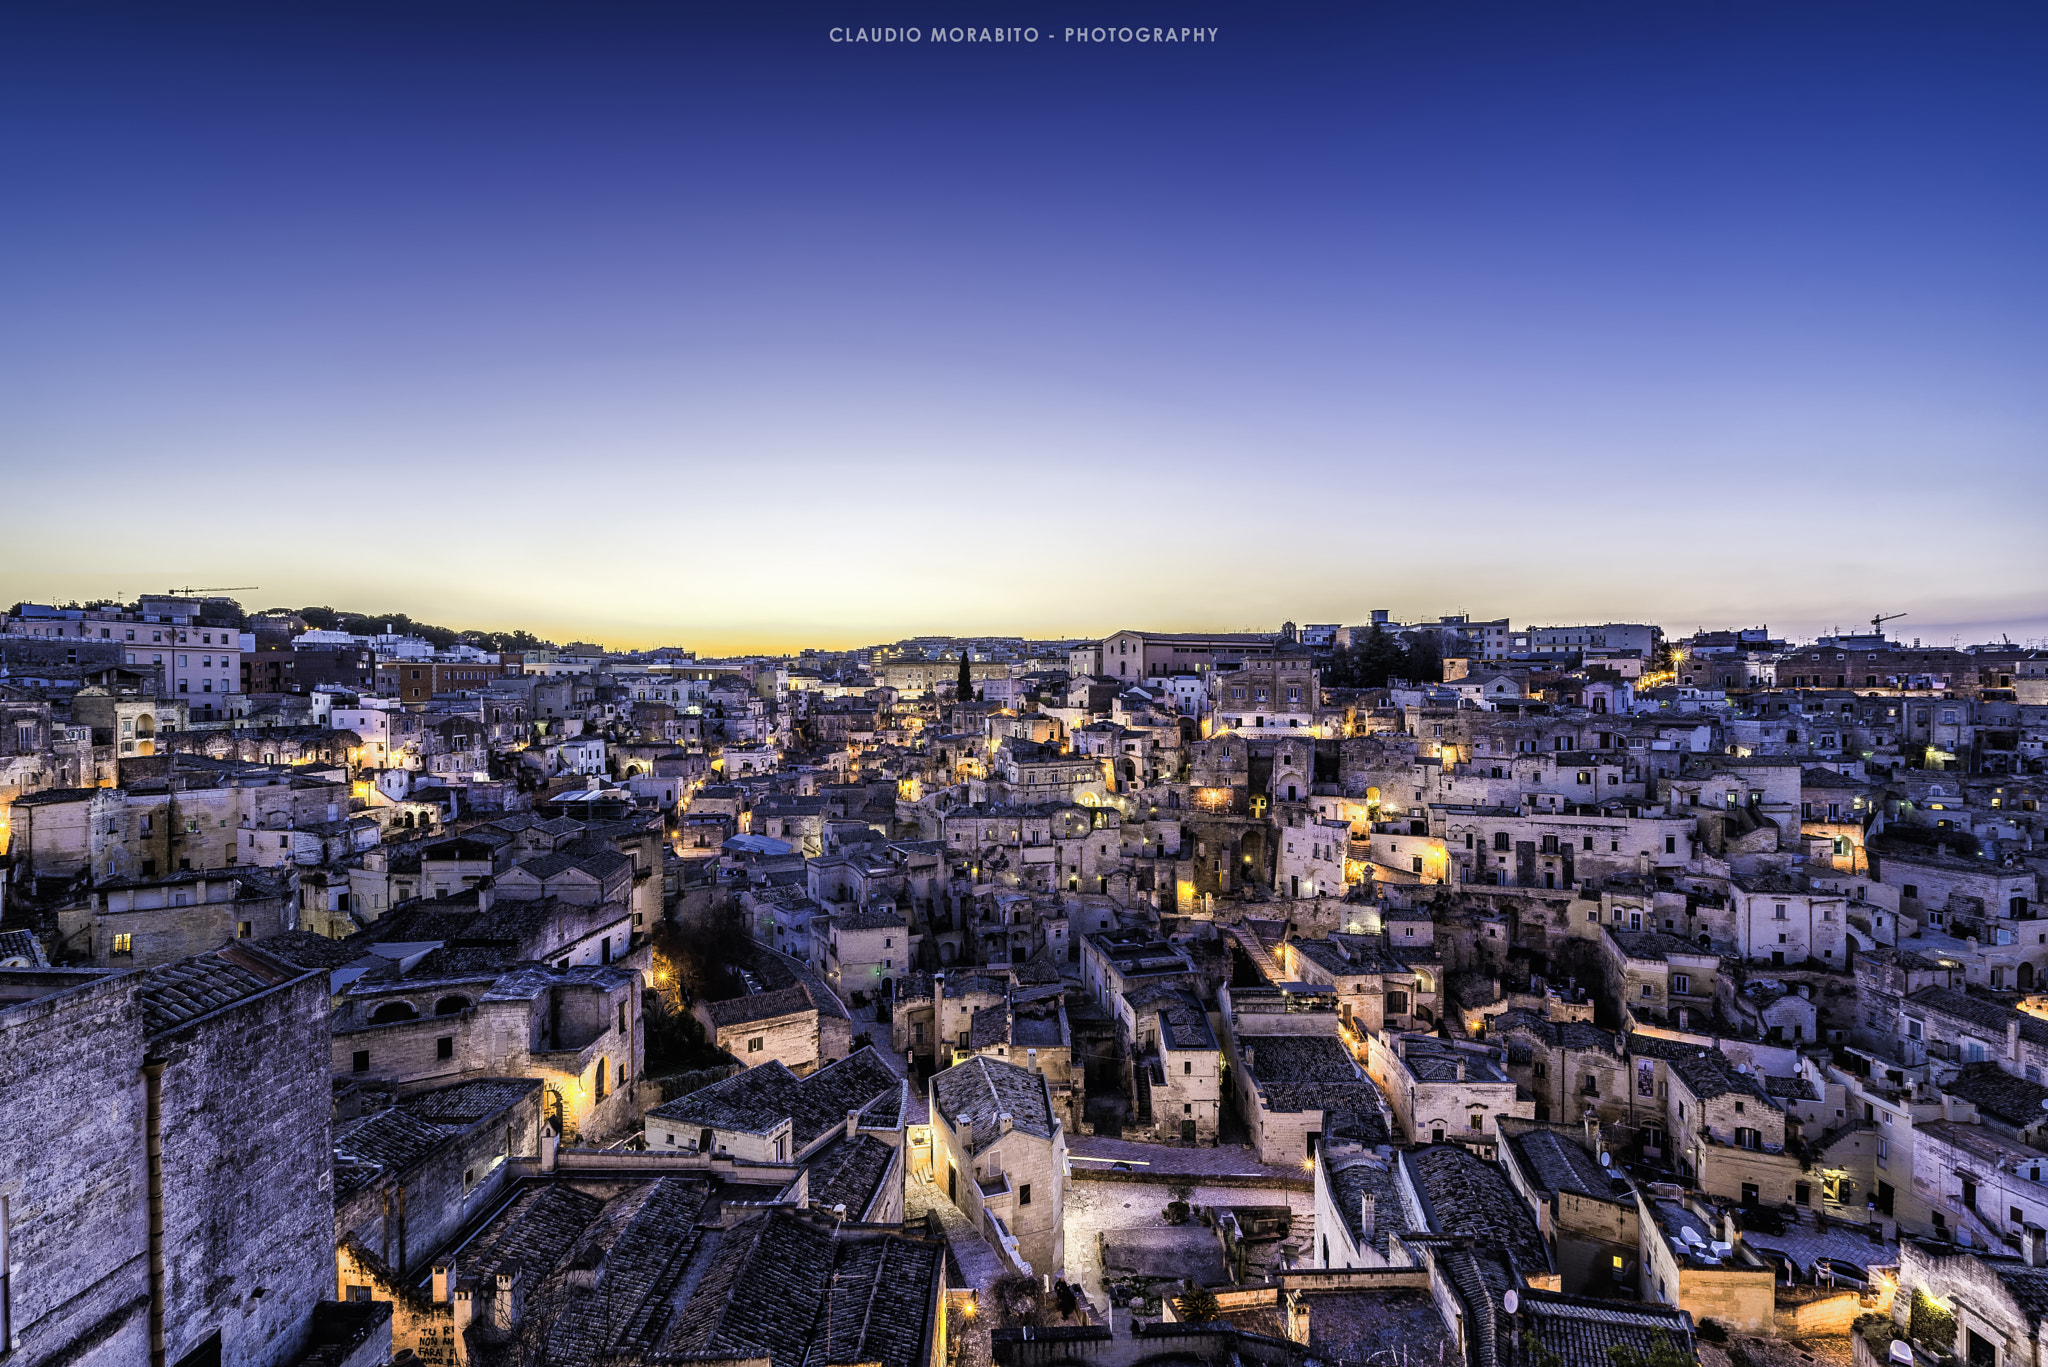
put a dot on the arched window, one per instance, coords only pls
(449, 1006)
(600, 1078)
(393, 1011)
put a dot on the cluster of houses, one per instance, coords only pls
(1603, 991)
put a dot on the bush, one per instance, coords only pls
(1199, 1306)
(1930, 1326)
(1712, 1331)
(1176, 1213)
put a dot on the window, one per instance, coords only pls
(361, 1062)
(1681, 983)
(124, 943)
(1187, 1068)
(1747, 1138)
(444, 1047)
(754, 1045)
(1671, 844)
(1024, 1194)
(1500, 840)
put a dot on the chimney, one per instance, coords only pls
(1365, 1218)
(549, 1143)
(1730, 1232)
(1031, 1059)
(966, 1135)
(852, 1123)
(1461, 1067)
(509, 1306)
(444, 1280)
(1004, 1122)
(2012, 1040)
(2034, 1245)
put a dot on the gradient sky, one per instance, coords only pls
(677, 323)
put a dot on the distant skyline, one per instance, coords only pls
(652, 323)
(1901, 631)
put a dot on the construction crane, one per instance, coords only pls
(188, 591)
(1877, 622)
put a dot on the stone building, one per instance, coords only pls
(1000, 1155)
(770, 1115)
(425, 1020)
(218, 1064)
(1179, 1061)
(409, 1176)
(766, 1027)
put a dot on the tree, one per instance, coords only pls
(964, 689)
(1199, 1306)
(1366, 663)
(1423, 662)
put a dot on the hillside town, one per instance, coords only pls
(1406, 992)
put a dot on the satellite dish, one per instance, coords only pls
(1901, 1351)
(1511, 1302)
(2044, 1106)
(1607, 1159)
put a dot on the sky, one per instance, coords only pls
(684, 324)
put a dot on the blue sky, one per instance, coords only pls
(672, 323)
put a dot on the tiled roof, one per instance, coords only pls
(1999, 1094)
(758, 1099)
(1655, 944)
(1184, 1023)
(1296, 1058)
(465, 1103)
(1582, 1332)
(752, 1102)
(1573, 1035)
(1712, 1074)
(1467, 1196)
(787, 1001)
(392, 1140)
(849, 1171)
(869, 918)
(977, 1091)
(1353, 1177)
(22, 944)
(178, 993)
(1988, 1015)
(310, 951)
(1555, 1162)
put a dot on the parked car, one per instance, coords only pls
(1787, 1270)
(1763, 1219)
(1841, 1273)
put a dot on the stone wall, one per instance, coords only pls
(248, 1173)
(72, 1173)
